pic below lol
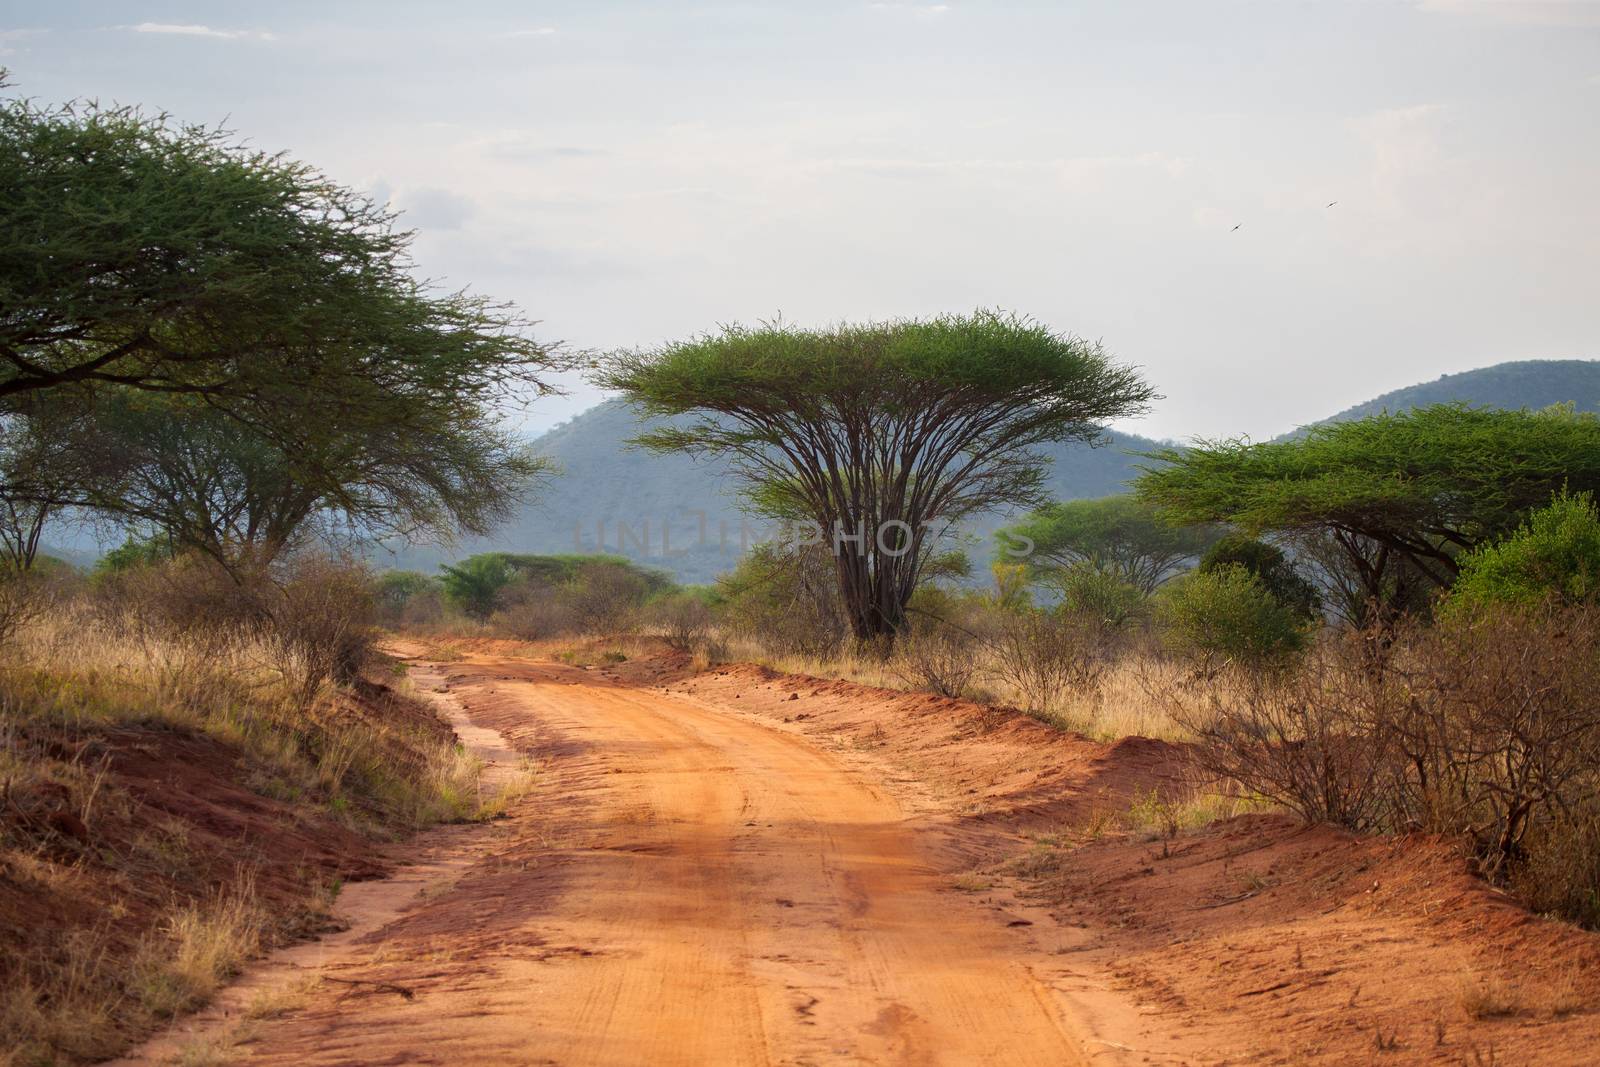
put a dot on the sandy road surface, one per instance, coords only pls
(686, 887)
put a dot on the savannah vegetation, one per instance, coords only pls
(222, 355)
(1386, 623)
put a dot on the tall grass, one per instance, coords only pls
(100, 669)
(1125, 701)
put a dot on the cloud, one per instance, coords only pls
(541, 31)
(181, 29)
(521, 147)
(1520, 12)
(433, 209)
(919, 10)
(8, 38)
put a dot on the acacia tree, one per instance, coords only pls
(243, 498)
(1122, 536)
(882, 434)
(1412, 490)
(46, 461)
(167, 257)
(269, 315)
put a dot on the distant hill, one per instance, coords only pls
(1533, 383)
(604, 486)
(683, 514)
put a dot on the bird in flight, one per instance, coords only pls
(1332, 202)
(1236, 227)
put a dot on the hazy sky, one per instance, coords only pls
(632, 172)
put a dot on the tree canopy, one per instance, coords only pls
(1122, 535)
(248, 336)
(1416, 488)
(880, 433)
(1554, 556)
(168, 257)
(177, 465)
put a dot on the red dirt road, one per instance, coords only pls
(687, 886)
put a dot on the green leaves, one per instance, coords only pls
(862, 427)
(271, 321)
(1122, 535)
(1554, 556)
(1427, 483)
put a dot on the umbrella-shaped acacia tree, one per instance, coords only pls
(882, 434)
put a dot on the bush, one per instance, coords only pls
(1485, 728)
(395, 592)
(473, 586)
(1227, 616)
(1045, 655)
(684, 619)
(23, 598)
(1267, 563)
(321, 623)
(1556, 554)
(1092, 593)
(132, 554)
(1312, 739)
(1499, 720)
(606, 596)
(786, 599)
(939, 658)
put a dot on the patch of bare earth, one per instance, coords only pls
(738, 866)
(1258, 940)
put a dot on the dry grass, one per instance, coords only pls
(202, 945)
(281, 999)
(76, 682)
(1127, 703)
(1488, 996)
(518, 784)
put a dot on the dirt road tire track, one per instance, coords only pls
(688, 887)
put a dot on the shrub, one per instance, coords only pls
(535, 617)
(1499, 720)
(939, 658)
(473, 586)
(1307, 739)
(1556, 554)
(1092, 593)
(1226, 616)
(605, 596)
(23, 598)
(684, 619)
(393, 593)
(134, 553)
(1267, 563)
(1485, 727)
(786, 599)
(321, 623)
(1044, 655)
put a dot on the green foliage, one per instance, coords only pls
(1271, 567)
(787, 598)
(868, 427)
(1121, 535)
(1227, 616)
(568, 592)
(392, 589)
(1417, 488)
(134, 553)
(1555, 555)
(473, 586)
(1010, 585)
(159, 255)
(246, 337)
(1101, 596)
